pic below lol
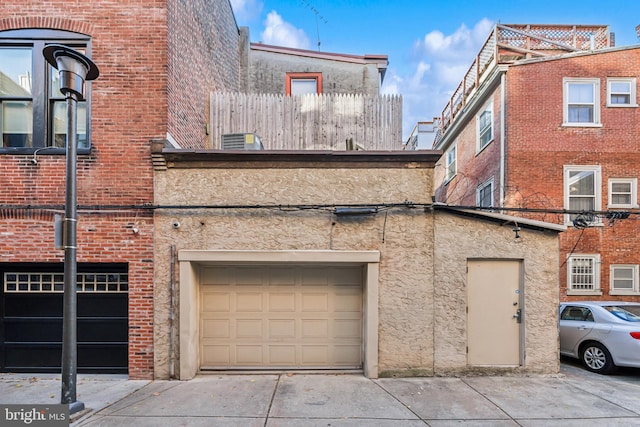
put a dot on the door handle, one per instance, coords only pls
(518, 315)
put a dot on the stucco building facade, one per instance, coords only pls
(358, 228)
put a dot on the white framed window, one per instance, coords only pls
(583, 274)
(484, 194)
(624, 279)
(623, 193)
(484, 127)
(582, 190)
(451, 163)
(621, 92)
(581, 102)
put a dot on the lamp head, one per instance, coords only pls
(73, 66)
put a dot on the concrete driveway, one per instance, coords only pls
(572, 398)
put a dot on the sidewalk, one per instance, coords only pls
(572, 398)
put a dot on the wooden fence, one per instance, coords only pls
(309, 122)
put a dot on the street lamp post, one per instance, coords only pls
(74, 68)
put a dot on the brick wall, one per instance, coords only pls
(137, 97)
(539, 147)
(474, 168)
(203, 56)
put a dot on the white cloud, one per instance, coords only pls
(440, 62)
(281, 33)
(246, 10)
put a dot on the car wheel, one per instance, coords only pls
(597, 358)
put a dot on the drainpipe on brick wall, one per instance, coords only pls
(503, 136)
(172, 287)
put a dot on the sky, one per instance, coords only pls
(430, 44)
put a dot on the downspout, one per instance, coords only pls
(172, 286)
(503, 135)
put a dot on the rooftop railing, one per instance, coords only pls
(509, 43)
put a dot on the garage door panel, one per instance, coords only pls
(348, 300)
(219, 355)
(249, 328)
(344, 354)
(284, 355)
(346, 276)
(312, 302)
(31, 310)
(312, 276)
(282, 302)
(315, 355)
(295, 317)
(249, 302)
(216, 328)
(315, 328)
(348, 328)
(282, 328)
(248, 276)
(250, 355)
(281, 277)
(216, 301)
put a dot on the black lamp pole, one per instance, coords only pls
(74, 68)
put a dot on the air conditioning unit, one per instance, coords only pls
(241, 141)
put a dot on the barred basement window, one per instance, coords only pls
(584, 273)
(54, 282)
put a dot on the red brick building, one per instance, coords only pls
(546, 124)
(158, 61)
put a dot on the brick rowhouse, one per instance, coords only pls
(158, 62)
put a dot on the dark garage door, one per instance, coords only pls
(31, 320)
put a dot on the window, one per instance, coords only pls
(304, 83)
(581, 105)
(451, 163)
(484, 122)
(581, 314)
(581, 190)
(624, 279)
(484, 194)
(583, 274)
(32, 108)
(621, 92)
(36, 282)
(623, 192)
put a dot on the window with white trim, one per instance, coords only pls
(624, 280)
(32, 108)
(621, 92)
(583, 274)
(484, 194)
(582, 188)
(623, 193)
(581, 102)
(484, 126)
(451, 163)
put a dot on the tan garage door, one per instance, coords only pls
(281, 317)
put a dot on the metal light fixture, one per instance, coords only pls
(74, 69)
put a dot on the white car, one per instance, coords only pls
(602, 334)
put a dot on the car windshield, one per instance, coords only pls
(629, 313)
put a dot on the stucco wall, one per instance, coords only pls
(267, 73)
(399, 234)
(457, 239)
